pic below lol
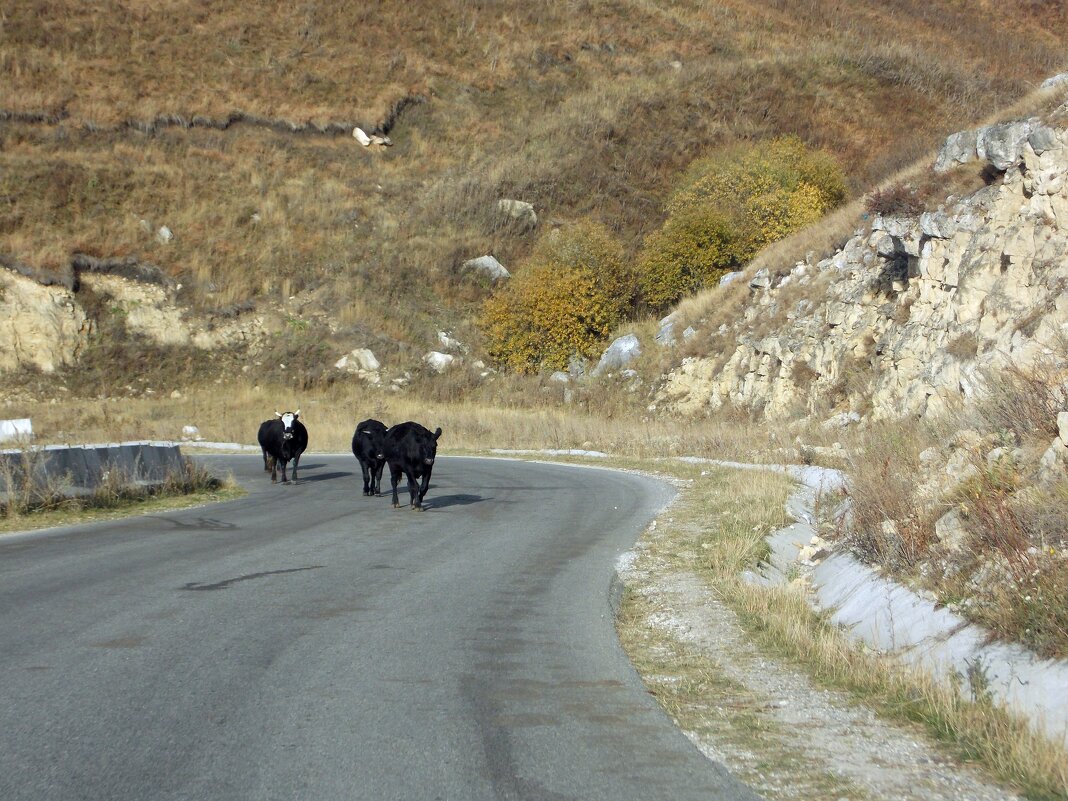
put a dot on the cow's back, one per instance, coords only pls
(367, 440)
(266, 435)
(409, 445)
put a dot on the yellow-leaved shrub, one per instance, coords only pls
(728, 207)
(572, 292)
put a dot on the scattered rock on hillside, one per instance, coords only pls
(451, 343)
(1002, 144)
(519, 211)
(439, 362)
(959, 148)
(730, 278)
(761, 280)
(619, 354)
(1054, 462)
(488, 267)
(841, 420)
(666, 335)
(164, 235)
(1055, 81)
(372, 139)
(560, 377)
(362, 363)
(950, 531)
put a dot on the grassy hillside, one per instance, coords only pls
(230, 124)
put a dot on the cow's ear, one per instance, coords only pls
(437, 432)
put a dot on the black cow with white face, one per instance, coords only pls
(366, 447)
(410, 448)
(283, 439)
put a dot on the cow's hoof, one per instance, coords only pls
(396, 506)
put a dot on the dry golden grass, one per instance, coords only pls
(233, 414)
(578, 109)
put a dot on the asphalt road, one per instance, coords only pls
(306, 642)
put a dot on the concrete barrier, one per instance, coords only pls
(88, 466)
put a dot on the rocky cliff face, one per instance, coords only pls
(47, 327)
(40, 326)
(914, 311)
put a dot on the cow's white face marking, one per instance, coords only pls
(287, 424)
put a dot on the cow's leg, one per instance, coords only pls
(376, 475)
(368, 478)
(424, 486)
(285, 478)
(274, 470)
(413, 489)
(394, 477)
(266, 467)
(296, 462)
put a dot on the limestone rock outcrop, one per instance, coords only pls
(913, 314)
(40, 326)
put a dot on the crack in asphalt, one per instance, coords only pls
(222, 585)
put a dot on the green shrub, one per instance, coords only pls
(569, 296)
(694, 246)
(728, 207)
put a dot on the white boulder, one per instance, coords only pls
(488, 267)
(357, 360)
(451, 343)
(439, 362)
(518, 210)
(619, 354)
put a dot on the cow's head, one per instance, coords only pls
(429, 458)
(287, 423)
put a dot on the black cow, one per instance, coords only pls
(366, 447)
(410, 449)
(282, 439)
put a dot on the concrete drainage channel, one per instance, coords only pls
(893, 619)
(79, 469)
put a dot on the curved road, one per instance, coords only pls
(306, 642)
